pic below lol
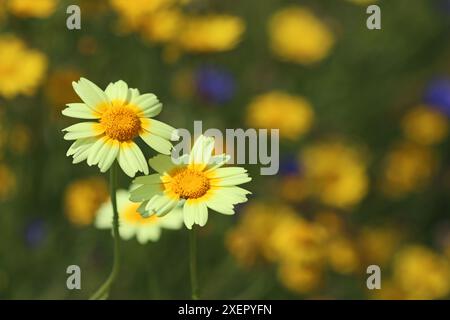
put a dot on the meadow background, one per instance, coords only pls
(363, 117)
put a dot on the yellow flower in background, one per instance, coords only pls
(296, 240)
(32, 8)
(210, 33)
(293, 115)
(249, 242)
(82, 199)
(297, 35)
(336, 173)
(421, 273)
(425, 125)
(331, 222)
(8, 182)
(343, 256)
(58, 88)
(299, 278)
(407, 168)
(132, 13)
(21, 69)
(378, 244)
(131, 221)
(163, 25)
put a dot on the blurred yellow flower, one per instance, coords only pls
(425, 125)
(299, 278)
(378, 245)
(343, 256)
(8, 182)
(421, 273)
(32, 8)
(83, 198)
(58, 88)
(132, 13)
(296, 240)
(336, 173)
(407, 168)
(163, 25)
(248, 242)
(331, 221)
(297, 35)
(21, 69)
(293, 115)
(210, 33)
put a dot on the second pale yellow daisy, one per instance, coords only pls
(122, 114)
(196, 182)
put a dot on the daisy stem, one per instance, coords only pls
(103, 291)
(193, 263)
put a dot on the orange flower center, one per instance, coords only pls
(121, 123)
(190, 184)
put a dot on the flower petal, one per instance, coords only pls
(161, 163)
(156, 142)
(201, 152)
(126, 165)
(108, 159)
(139, 157)
(161, 205)
(151, 179)
(118, 91)
(148, 103)
(90, 93)
(163, 130)
(230, 181)
(80, 111)
(195, 212)
(83, 130)
(98, 150)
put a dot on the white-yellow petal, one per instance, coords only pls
(90, 93)
(157, 143)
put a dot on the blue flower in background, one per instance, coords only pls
(35, 233)
(289, 166)
(214, 84)
(437, 94)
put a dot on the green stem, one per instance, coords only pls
(103, 291)
(193, 263)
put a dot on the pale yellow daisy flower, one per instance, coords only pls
(121, 115)
(196, 182)
(132, 223)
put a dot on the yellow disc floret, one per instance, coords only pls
(121, 123)
(190, 184)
